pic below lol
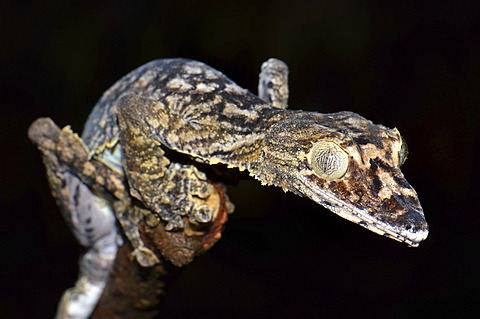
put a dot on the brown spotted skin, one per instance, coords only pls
(191, 108)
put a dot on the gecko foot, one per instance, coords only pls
(145, 257)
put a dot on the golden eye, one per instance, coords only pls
(328, 160)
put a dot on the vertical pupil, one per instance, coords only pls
(328, 161)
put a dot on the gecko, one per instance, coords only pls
(149, 145)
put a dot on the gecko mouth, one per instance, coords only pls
(409, 227)
(407, 232)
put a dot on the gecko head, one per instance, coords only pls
(350, 166)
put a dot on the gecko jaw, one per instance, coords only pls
(410, 234)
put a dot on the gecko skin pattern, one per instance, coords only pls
(173, 107)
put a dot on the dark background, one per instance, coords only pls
(413, 65)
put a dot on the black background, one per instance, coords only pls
(413, 65)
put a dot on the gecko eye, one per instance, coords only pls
(328, 160)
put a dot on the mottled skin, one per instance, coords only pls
(178, 106)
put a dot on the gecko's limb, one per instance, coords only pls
(273, 83)
(172, 191)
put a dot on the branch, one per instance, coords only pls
(132, 291)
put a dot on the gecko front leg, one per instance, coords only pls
(174, 191)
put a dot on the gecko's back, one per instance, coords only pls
(186, 81)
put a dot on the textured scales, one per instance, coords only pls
(152, 136)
